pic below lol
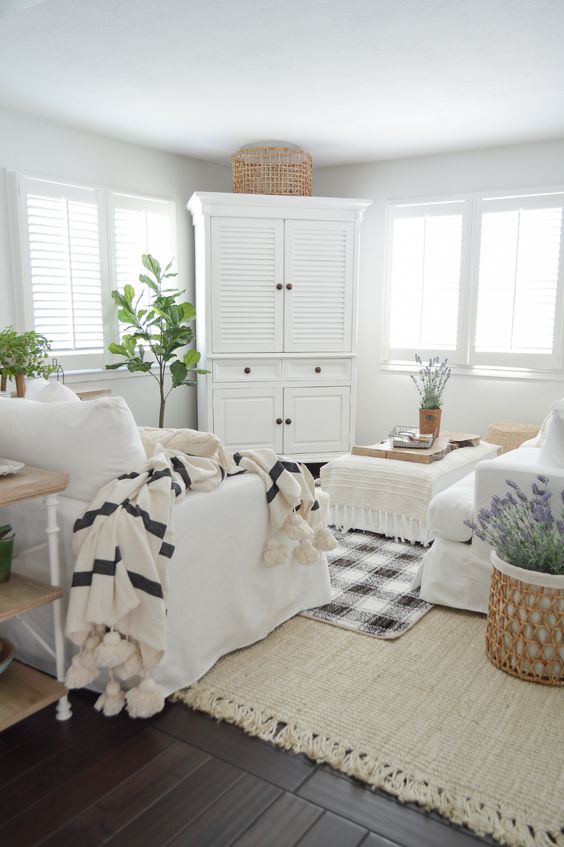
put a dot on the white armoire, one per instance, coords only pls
(276, 303)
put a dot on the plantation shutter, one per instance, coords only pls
(140, 225)
(519, 281)
(62, 261)
(425, 255)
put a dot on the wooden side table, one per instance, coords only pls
(24, 690)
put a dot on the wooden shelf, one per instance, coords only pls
(20, 594)
(31, 482)
(24, 691)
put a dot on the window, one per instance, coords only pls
(78, 244)
(486, 294)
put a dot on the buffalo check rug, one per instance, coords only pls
(371, 578)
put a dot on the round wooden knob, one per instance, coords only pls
(278, 421)
(288, 421)
(247, 370)
(289, 286)
(318, 370)
(279, 286)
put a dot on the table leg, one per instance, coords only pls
(64, 710)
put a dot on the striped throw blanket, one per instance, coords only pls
(124, 540)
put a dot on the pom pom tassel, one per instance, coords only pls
(274, 553)
(305, 553)
(133, 666)
(114, 650)
(324, 539)
(79, 675)
(145, 700)
(112, 701)
(296, 528)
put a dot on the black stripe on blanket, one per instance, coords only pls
(88, 518)
(84, 578)
(156, 475)
(104, 567)
(154, 527)
(272, 492)
(180, 469)
(237, 458)
(315, 505)
(275, 471)
(132, 475)
(293, 467)
(166, 550)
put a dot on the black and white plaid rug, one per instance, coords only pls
(370, 578)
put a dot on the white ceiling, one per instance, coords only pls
(349, 80)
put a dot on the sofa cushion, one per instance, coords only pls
(93, 442)
(552, 448)
(50, 391)
(450, 508)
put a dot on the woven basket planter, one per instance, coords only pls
(271, 170)
(525, 628)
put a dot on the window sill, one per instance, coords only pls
(100, 375)
(483, 372)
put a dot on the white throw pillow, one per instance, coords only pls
(52, 391)
(552, 448)
(93, 442)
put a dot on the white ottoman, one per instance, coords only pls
(391, 497)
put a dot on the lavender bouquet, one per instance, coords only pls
(431, 382)
(523, 531)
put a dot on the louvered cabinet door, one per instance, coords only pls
(318, 286)
(247, 261)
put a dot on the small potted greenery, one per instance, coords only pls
(6, 551)
(431, 383)
(524, 633)
(23, 355)
(159, 329)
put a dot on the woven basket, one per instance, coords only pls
(271, 170)
(525, 628)
(509, 436)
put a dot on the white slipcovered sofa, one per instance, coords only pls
(456, 570)
(221, 595)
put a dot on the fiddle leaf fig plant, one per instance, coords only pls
(156, 330)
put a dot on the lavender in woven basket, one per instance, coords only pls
(522, 530)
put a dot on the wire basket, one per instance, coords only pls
(409, 437)
(271, 170)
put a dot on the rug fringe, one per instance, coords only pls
(478, 816)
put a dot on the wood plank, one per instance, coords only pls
(82, 788)
(31, 482)
(373, 840)
(230, 816)
(20, 594)
(444, 443)
(227, 742)
(283, 825)
(333, 831)
(384, 815)
(90, 393)
(23, 691)
(56, 770)
(131, 798)
(165, 819)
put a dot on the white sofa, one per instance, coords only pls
(456, 570)
(221, 596)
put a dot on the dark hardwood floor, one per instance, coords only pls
(184, 780)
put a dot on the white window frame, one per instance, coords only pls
(465, 359)
(23, 298)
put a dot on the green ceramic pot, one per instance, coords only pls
(6, 551)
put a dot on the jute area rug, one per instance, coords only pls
(371, 578)
(425, 718)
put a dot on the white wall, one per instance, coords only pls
(37, 146)
(471, 402)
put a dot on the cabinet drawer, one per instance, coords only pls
(247, 370)
(318, 369)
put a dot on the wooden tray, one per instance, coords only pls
(445, 442)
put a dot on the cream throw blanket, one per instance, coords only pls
(123, 541)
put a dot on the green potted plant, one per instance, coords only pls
(157, 330)
(6, 551)
(23, 355)
(526, 603)
(431, 383)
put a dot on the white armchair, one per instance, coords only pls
(455, 571)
